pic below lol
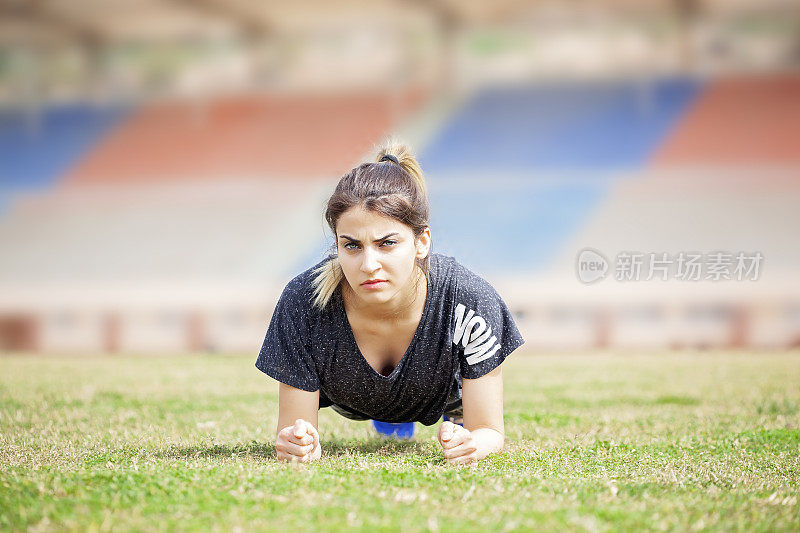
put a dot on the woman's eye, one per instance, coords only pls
(355, 246)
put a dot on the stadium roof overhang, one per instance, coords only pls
(99, 22)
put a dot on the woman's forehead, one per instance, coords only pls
(360, 221)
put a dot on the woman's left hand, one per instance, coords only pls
(457, 444)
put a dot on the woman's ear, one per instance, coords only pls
(423, 243)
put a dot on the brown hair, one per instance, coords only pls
(392, 186)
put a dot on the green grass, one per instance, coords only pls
(597, 442)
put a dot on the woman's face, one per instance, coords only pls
(378, 254)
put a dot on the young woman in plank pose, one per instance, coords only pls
(385, 330)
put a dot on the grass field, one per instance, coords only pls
(596, 442)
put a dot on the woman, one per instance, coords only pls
(385, 330)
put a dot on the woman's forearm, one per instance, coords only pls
(487, 441)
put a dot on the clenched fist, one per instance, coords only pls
(457, 444)
(299, 442)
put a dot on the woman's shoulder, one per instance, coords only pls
(462, 277)
(445, 267)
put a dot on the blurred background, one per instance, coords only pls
(164, 164)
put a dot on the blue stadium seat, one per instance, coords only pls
(579, 126)
(515, 227)
(36, 149)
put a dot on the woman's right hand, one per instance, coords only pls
(299, 442)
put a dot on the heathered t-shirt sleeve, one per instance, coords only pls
(286, 352)
(484, 332)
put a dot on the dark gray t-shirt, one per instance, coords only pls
(465, 330)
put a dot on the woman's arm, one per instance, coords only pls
(297, 438)
(483, 432)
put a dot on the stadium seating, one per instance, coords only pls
(520, 179)
(264, 137)
(516, 171)
(558, 127)
(725, 177)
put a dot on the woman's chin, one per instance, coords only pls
(374, 295)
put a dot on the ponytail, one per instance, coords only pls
(401, 155)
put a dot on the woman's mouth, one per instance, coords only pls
(373, 283)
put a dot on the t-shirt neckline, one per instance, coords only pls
(352, 338)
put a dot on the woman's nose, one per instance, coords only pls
(369, 263)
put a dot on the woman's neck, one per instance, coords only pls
(406, 305)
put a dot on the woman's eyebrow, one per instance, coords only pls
(349, 238)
